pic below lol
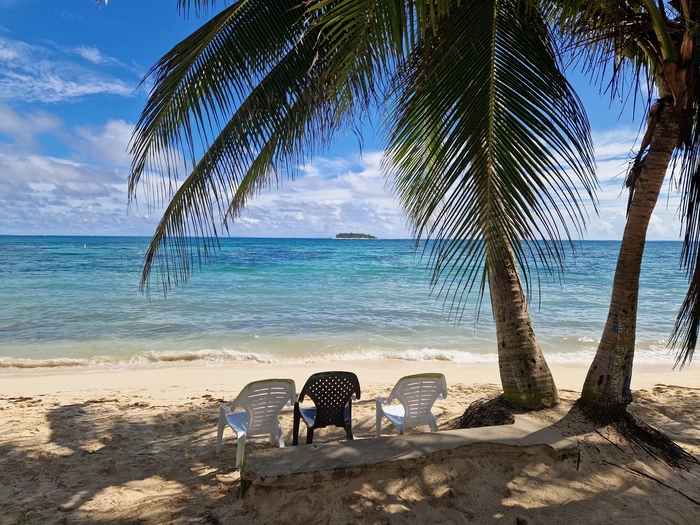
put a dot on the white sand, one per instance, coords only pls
(138, 446)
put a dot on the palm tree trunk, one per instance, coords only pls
(607, 386)
(526, 379)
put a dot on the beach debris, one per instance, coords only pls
(487, 413)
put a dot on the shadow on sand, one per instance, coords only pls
(108, 461)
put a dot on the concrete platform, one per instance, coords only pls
(314, 463)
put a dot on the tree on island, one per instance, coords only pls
(354, 236)
(483, 135)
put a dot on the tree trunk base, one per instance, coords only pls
(539, 400)
(582, 419)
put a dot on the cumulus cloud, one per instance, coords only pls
(40, 194)
(84, 191)
(108, 143)
(23, 130)
(31, 73)
(334, 195)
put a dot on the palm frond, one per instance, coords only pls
(486, 127)
(687, 326)
(613, 42)
(201, 7)
(274, 129)
(296, 108)
(204, 78)
(684, 336)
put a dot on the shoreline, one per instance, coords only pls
(229, 378)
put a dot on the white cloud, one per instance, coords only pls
(614, 144)
(94, 55)
(34, 73)
(108, 143)
(613, 151)
(41, 194)
(24, 129)
(85, 189)
(334, 195)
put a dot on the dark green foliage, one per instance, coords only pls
(354, 236)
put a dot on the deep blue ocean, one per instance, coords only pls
(75, 301)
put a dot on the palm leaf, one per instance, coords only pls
(307, 96)
(485, 128)
(275, 129)
(204, 78)
(341, 59)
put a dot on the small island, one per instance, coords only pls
(354, 236)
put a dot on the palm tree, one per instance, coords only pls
(659, 40)
(468, 162)
(483, 135)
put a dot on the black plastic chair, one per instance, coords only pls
(332, 394)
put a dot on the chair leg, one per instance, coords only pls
(380, 413)
(309, 435)
(220, 431)
(240, 450)
(295, 431)
(348, 422)
(280, 437)
(348, 431)
(433, 423)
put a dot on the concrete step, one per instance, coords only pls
(314, 463)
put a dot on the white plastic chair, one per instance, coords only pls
(262, 402)
(417, 394)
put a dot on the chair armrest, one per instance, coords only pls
(381, 400)
(224, 409)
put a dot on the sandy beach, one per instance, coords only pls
(137, 446)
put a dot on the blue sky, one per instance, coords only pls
(69, 73)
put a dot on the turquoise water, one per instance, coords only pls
(74, 301)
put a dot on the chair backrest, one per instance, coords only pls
(417, 393)
(330, 392)
(263, 401)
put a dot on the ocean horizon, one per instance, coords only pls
(74, 301)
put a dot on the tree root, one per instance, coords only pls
(654, 442)
(641, 434)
